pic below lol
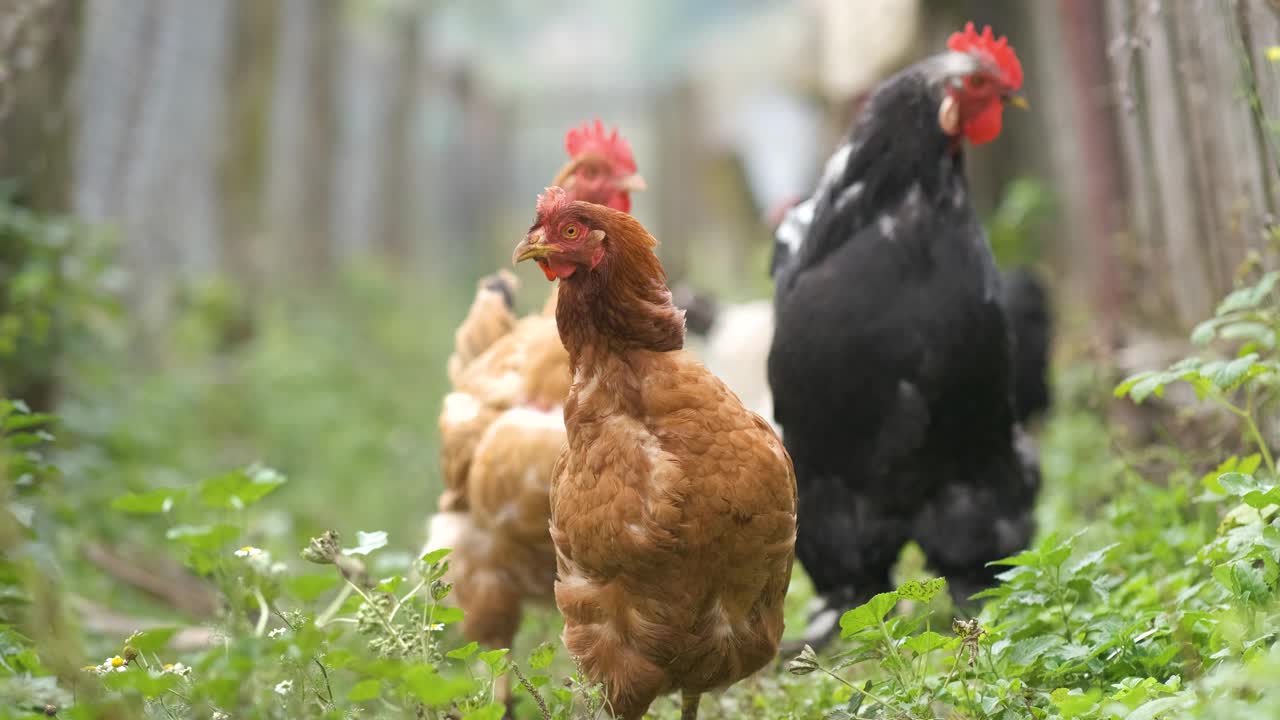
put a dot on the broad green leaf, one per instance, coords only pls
(447, 615)
(495, 659)
(921, 591)
(925, 642)
(240, 489)
(435, 556)
(204, 537)
(390, 584)
(1072, 703)
(1228, 375)
(365, 690)
(311, 586)
(152, 641)
(463, 652)
(1234, 483)
(869, 614)
(542, 656)
(154, 501)
(429, 687)
(367, 542)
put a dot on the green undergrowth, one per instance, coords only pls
(280, 473)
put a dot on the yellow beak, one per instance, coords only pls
(530, 247)
(1018, 101)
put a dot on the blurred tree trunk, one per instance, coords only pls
(397, 145)
(38, 44)
(38, 51)
(302, 138)
(243, 168)
(155, 75)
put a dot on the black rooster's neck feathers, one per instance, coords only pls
(894, 150)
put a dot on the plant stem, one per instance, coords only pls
(867, 693)
(381, 618)
(400, 603)
(264, 612)
(327, 615)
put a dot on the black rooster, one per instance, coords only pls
(891, 358)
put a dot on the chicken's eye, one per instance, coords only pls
(977, 82)
(571, 232)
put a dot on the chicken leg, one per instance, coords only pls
(689, 705)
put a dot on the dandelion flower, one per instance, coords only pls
(276, 633)
(284, 687)
(248, 551)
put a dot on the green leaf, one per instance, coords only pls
(492, 711)
(390, 584)
(367, 542)
(1248, 297)
(155, 501)
(869, 614)
(1228, 375)
(203, 537)
(1072, 703)
(921, 591)
(542, 656)
(1204, 333)
(926, 642)
(429, 687)
(1234, 483)
(436, 556)
(152, 641)
(463, 652)
(1151, 709)
(494, 659)
(311, 586)
(365, 690)
(447, 615)
(240, 489)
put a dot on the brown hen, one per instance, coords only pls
(673, 508)
(502, 427)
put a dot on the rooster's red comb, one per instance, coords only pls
(997, 49)
(550, 202)
(592, 138)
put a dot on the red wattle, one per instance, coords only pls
(559, 268)
(985, 126)
(546, 270)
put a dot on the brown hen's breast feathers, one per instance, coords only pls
(673, 513)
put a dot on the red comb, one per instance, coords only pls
(592, 138)
(999, 50)
(550, 202)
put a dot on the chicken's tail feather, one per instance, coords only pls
(1027, 305)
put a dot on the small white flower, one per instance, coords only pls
(248, 551)
(219, 715)
(111, 664)
(277, 568)
(284, 687)
(273, 634)
(438, 627)
(176, 669)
